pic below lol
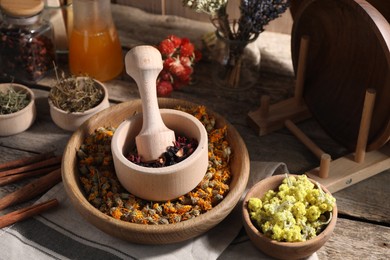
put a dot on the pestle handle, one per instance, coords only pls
(143, 64)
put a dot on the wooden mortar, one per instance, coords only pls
(164, 183)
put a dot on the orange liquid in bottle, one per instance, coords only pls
(98, 55)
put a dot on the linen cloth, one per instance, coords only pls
(64, 234)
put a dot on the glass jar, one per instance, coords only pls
(27, 50)
(94, 47)
(236, 67)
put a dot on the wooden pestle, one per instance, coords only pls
(143, 64)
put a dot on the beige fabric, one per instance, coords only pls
(35, 238)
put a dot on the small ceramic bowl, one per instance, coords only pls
(164, 183)
(276, 249)
(70, 121)
(11, 124)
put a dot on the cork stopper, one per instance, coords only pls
(21, 8)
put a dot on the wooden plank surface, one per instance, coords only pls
(367, 199)
(351, 240)
(363, 228)
(356, 240)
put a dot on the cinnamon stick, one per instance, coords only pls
(26, 160)
(32, 189)
(27, 212)
(33, 166)
(17, 177)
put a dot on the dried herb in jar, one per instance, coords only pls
(27, 48)
(25, 56)
(76, 94)
(13, 101)
(103, 190)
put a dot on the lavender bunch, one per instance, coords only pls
(257, 14)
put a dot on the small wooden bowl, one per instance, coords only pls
(152, 234)
(282, 250)
(164, 183)
(70, 121)
(20, 121)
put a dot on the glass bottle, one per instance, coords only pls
(94, 47)
(27, 50)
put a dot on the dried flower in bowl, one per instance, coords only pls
(104, 191)
(76, 94)
(237, 168)
(181, 149)
(73, 100)
(297, 211)
(289, 218)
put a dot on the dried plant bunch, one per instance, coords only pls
(237, 33)
(13, 101)
(254, 16)
(76, 94)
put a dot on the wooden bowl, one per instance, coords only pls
(164, 183)
(70, 121)
(152, 234)
(11, 124)
(282, 250)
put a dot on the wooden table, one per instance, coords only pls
(363, 228)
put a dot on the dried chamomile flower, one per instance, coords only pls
(103, 190)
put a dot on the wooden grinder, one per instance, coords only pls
(143, 64)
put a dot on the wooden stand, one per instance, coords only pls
(334, 175)
(345, 171)
(268, 118)
(352, 168)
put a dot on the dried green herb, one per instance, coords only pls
(12, 101)
(73, 94)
